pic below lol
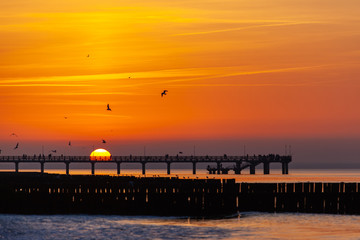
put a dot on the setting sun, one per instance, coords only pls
(100, 154)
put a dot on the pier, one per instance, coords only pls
(240, 162)
(36, 193)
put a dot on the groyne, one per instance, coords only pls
(36, 193)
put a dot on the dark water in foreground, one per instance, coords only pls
(248, 226)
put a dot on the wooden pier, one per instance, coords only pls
(240, 162)
(36, 193)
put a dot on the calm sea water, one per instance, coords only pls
(295, 175)
(250, 225)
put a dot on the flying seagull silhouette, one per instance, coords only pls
(108, 108)
(17, 146)
(103, 141)
(54, 151)
(164, 93)
(13, 134)
(88, 55)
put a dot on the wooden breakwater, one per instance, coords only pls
(35, 193)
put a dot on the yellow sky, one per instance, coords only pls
(232, 69)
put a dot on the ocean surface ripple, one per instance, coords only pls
(251, 225)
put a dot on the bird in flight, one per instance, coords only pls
(17, 146)
(103, 141)
(164, 93)
(69, 143)
(65, 117)
(108, 108)
(88, 55)
(54, 151)
(13, 134)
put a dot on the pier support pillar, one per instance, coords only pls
(118, 168)
(168, 167)
(194, 167)
(143, 168)
(252, 169)
(266, 168)
(16, 166)
(237, 169)
(285, 168)
(93, 168)
(67, 164)
(218, 167)
(42, 167)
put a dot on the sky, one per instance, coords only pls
(259, 73)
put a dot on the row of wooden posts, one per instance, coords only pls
(61, 194)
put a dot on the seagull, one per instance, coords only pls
(180, 152)
(13, 134)
(54, 151)
(103, 141)
(69, 143)
(65, 117)
(108, 108)
(164, 93)
(17, 146)
(88, 55)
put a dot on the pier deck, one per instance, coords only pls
(240, 162)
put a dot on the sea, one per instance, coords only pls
(242, 225)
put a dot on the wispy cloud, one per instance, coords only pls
(44, 85)
(245, 28)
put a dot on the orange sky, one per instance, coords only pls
(233, 69)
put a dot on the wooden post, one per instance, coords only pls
(218, 167)
(194, 167)
(143, 168)
(67, 167)
(252, 169)
(118, 167)
(168, 167)
(93, 168)
(17, 167)
(42, 163)
(266, 168)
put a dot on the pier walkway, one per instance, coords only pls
(240, 162)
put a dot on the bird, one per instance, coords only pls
(0, 151)
(180, 152)
(17, 146)
(69, 143)
(54, 151)
(13, 134)
(103, 141)
(88, 55)
(164, 93)
(108, 108)
(65, 117)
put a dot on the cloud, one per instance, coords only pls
(44, 85)
(245, 28)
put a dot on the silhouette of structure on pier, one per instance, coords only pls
(240, 162)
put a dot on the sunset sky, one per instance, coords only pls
(234, 70)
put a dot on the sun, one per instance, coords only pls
(100, 154)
